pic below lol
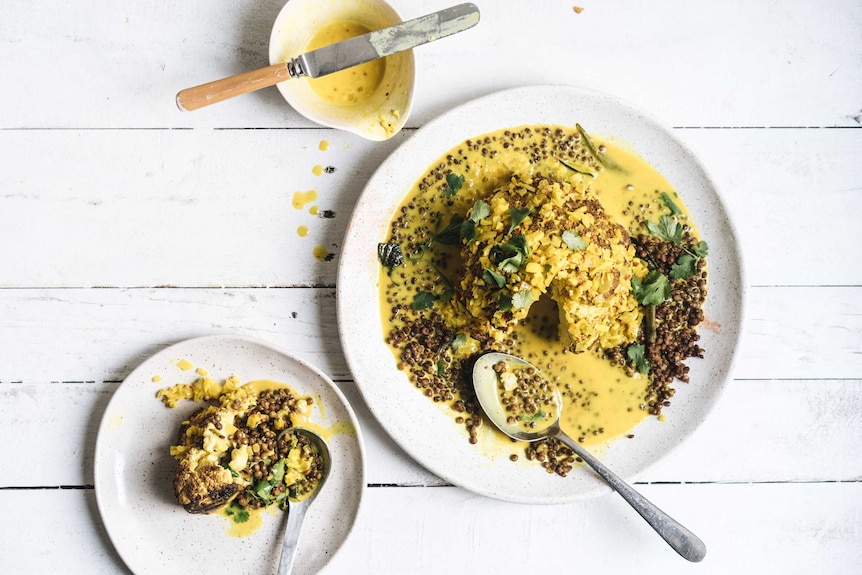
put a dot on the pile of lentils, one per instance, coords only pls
(273, 411)
(676, 321)
(530, 401)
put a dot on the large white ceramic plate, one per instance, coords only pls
(134, 471)
(420, 427)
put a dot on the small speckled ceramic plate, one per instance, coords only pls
(134, 471)
(421, 428)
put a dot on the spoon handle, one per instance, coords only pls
(681, 539)
(218, 90)
(292, 530)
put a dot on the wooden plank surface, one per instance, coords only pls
(184, 225)
(784, 528)
(201, 208)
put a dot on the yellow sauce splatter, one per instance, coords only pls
(350, 86)
(313, 210)
(185, 365)
(324, 145)
(115, 422)
(323, 254)
(201, 372)
(317, 170)
(156, 378)
(300, 199)
(302, 231)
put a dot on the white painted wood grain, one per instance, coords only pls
(213, 207)
(787, 528)
(120, 63)
(102, 334)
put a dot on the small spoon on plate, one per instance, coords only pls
(297, 509)
(490, 382)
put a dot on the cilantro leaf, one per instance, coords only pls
(237, 513)
(518, 215)
(522, 299)
(684, 268)
(574, 241)
(511, 255)
(453, 184)
(494, 279)
(505, 302)
(667, 229)
(480, 211)
(654, 289)
(445, 295)
(674, 209)
(423, 300)
(700, 249)
(636, 353)
(468, 230)
(459, 341)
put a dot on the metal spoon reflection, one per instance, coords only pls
(297, 509)
(485, 381)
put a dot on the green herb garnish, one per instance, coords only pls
(654, 290)
(505, 302)
(423, 300)
(574, 241)
(686, 264)
(600, 157)
(453, 184)
(441, 366)
(449, 235)
(518, 215)
(636, 353)
(534, 417)
(511, 255)
(674, 209)
(667, 229)
(522, 299)
(576, 170)
(480, 211)
(237, 513)
(390, 255)
(492, 278)
(459, 341)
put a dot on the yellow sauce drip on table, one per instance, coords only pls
(314, 210)
(600, 401)
(350, 86)
(323, 146)
(301, 199)
(302, 231)
(317, 170)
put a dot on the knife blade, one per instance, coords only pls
(336, 57)
(384, 42)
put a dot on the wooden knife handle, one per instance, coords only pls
(212, 92)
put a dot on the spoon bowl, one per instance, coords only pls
(297, 509)
(488, 383)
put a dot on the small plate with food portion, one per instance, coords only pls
(195, 460)
(563, 226)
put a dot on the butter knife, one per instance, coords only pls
(336, 57)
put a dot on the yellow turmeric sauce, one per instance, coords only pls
(350, 86)
(600, 400)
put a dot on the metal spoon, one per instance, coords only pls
(485, 381)
(297, 509)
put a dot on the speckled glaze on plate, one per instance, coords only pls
(421, 428)
(134, 471)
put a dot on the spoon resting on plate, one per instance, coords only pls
(297, 508)
(500, 378)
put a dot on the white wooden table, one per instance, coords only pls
(126, 226)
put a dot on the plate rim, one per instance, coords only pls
(576, 92)
(104, 423)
